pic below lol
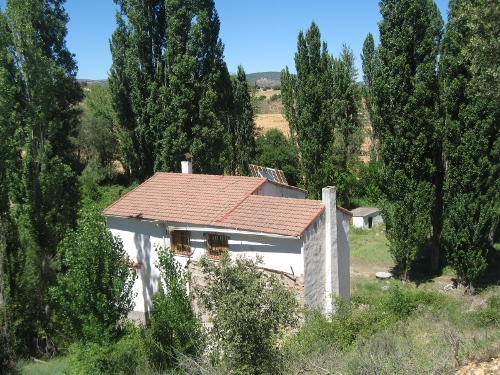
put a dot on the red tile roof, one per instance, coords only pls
(219, 201)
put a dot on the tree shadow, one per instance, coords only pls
(420, 272)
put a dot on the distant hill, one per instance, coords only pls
(92, 82)
(263, 79)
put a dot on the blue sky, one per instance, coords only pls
(261, 35)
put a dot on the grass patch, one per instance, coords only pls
(56, 366)
(371, 246)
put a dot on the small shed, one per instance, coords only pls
(366, 217)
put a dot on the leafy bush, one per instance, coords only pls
(174, 328)
(274, 150)
(275, 97)
(338, 331)
(403, 304)
(249, 312)
(94, 290)
(489, 316)
(123, 357)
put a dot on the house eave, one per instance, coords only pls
(210, 229)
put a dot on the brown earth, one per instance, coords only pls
(482, 368)
(270, 115)
(267, 121)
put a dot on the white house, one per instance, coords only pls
(197, 214)
(366, 217)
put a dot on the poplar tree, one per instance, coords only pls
(44, 191)
(348, 128)
(368, 61)
(170, 85)
(307, 100)
(241, 129)
(407, 119)
(472, 137)
(8, 116)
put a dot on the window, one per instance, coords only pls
(180, 242)
(216, 245)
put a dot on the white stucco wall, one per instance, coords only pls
(140, 237)
(343, 287)
(358, 222)
(314, 264)
(276, 190)
(364, 221)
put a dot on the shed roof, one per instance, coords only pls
(364, 211)
(219, 201)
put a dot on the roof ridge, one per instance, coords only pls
(225, 216)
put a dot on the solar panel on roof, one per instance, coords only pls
(266, 175)
(269, 173)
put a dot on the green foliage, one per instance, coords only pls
(274, 150)
(275, 97)
(122, 357)
(403, 303)
(94, 290)
(249, 312)
(471, 138)
(96, 140)
(407, 121)
(368, 61)
(489, 316)
(407, 233)
(240, 132)
(348, 128)
(175, 95)
(307, 101)
(174, 329)
(99, 197)
(367, 181)
(43, 94)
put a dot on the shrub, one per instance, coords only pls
(275, 97)
(174, 328)
(94, 290)
(249, 312)
(489, 316)
(122, 357)
(403, 304)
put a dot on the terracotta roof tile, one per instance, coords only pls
(286, 216)
(222, 201)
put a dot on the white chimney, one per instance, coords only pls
(187, 167)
